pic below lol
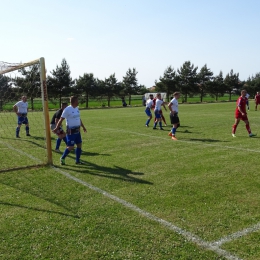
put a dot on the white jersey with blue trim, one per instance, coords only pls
(22, 107)
(174, 105)
(72, 117)
(158, 104)
(149, 103)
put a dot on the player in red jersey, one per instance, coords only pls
(257, 100)
(240, 114)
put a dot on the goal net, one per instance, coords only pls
(25, 139)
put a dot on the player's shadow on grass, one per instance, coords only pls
(208, 140)
(37, 209)
(37, 191)
(116, 172)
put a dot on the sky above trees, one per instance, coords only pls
(110, 36)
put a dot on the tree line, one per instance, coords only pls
(187, 79)
(190, 82)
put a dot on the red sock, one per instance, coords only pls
(234, 128)
(248, 129)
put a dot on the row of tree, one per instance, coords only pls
(187, 79)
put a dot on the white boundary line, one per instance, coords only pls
(189, 236)
(215, 246)
(21, 152)
(236, 235)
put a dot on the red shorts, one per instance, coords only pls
(239, 116)
(257, 102)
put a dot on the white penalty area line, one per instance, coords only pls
(183, 141)
(215, 246)
(187, 235)
(237, 235)
(21, 152)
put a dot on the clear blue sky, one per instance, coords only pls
(109, 36)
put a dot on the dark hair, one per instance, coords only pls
(176, 93)
(73, 99)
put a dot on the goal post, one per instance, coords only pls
(45, 110)
(17, 80)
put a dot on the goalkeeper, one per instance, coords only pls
(60, 133)
(21, 110)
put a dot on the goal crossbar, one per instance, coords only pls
(12, 67)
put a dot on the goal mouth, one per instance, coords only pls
(24, 129)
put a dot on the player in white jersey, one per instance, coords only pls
(21, 110)
(158, 103)
(174, 110)
(149, 104)
(73, 122)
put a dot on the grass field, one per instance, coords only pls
(140, 195)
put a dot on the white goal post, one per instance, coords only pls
(6, 68)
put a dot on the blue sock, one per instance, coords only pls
(66, 152)
(148, 121)
(155, 124)
(17, 131)
(65, 140)
(78, 153)
(160, 124)
(27, 129)
(173, 131)
(58, 141)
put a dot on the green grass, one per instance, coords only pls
(206, 183)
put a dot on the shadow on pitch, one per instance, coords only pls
(37, 209)
(116, 172)
(208, 140)
(36, 190)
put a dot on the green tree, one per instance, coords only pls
(130, 83)
(60, 83)
(231, 82)
(85, 86)
(204, 80)
(29, 83)
(5, 90)
(168, 82)
(252, 85)
(111, 88)
(187, 80)
(217, 87)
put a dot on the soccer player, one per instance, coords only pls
(149, 104)
(174, 110)
(247, 102)
(21, 110)
(257, 100)
(73, 123)
(240, 114)
(162, 116)
(158, 116)
(60, 133)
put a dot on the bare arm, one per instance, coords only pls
(58, 124)
(84, 128)
(15, 108)
(170, 108)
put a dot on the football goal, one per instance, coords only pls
(25, 136)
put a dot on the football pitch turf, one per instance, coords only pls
(139, 194)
